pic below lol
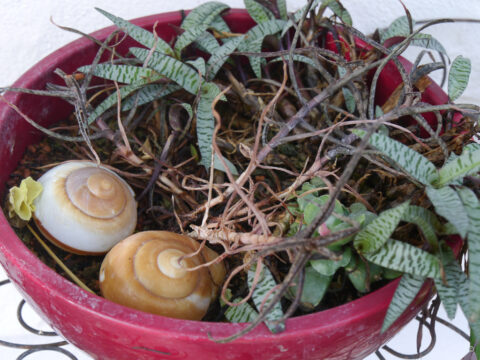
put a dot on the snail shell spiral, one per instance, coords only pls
(85, 208)
(146, 271)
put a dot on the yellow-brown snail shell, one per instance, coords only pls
(148, 271)
(85, 208)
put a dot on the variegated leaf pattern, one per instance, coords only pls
(148, 93)
(265, 285)
(199, 64)
(472, 206)
(216, 61)
(339, 10)
(205, 127)
(254, 40)
(400, 256)
(201, 15)
(427, 41)
(192, 33)
(242, 313)
(112, 100)
(141, 35)
(426, 221)
(373, 236)
(171, 68)
(258, 12)
(407, 290)
(399, 27)
(221, 26)
(207, 43)
(347, 94)
(458, 77)
(466, 164)
(409, 160)
(449, 291)
(282, 9)
(125, 74)
(447, 203)
(299, 58)
(297, 15)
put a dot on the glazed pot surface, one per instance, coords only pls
(106, 330)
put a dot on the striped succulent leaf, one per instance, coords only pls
(148, 93)
(282, 9)
(192, 33)
(265, 286)
(125, 74)
(400, 256)
(399, 27)
(339, 10)
(466, 164)
(199, 64)
(205, 127)
(202, 15)
(472, 205)
(258, 12)
(220, 25)
(254, 40)
(458, 77)
(141, 35)
(447, 203)
(218, 58)
(347, 94)
(299, 58)
(427, 41)
(297, 16)
(171, 68)
(449, 291)
(373, 236)
(111, 100)
(427, 222)
(328, 267)
(409, 160)
(242, 313)
(407, 290)
(207, 43)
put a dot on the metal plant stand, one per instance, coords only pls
(428, 320)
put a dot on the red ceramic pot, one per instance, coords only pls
(106, 330)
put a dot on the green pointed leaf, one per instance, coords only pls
(199, 64)
(207, 43)
(375, 235)
(458, 77)
(141, 35)
(254, 40)
(125, 74)
(171, 68)
(299, 58)
(243, 313)
(399, 27)
(409, 160)
(447, 203)
(359, 276)
(407, 290)
(407, 258)
(449, 292)
(265, 285)
(426, 221)
(315, 286)
(282, 9)
(347, 94)
(329, 267)
(149, 93)
(201, 14)
(111, 100)
(218, 58)
(427, 41)
(339, 10)
(203, 22)
(472, 206)
(466, 164)
(205, 127)
(258, 12)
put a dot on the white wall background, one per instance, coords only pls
(27, 35)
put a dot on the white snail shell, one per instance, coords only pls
(144, 272)
(85, 208)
